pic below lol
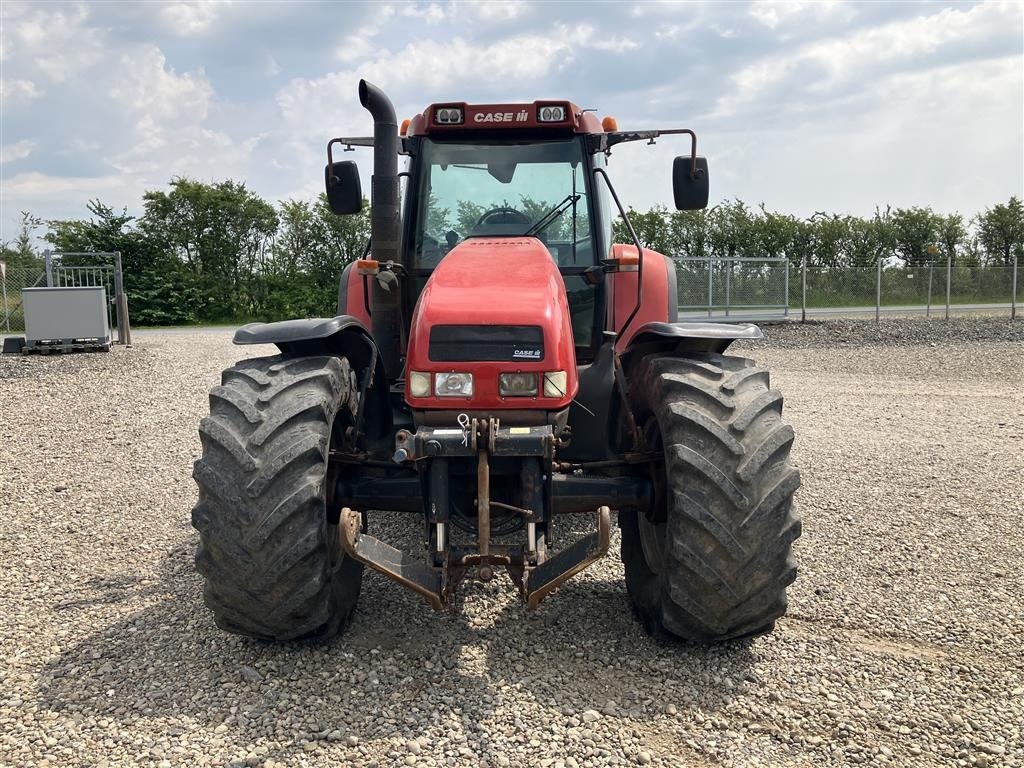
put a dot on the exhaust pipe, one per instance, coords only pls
(385, 232)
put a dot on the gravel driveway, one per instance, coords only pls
(904, 642)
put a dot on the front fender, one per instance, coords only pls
(296, 331)
(689, 336)
(344, 336)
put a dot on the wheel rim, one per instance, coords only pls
(652, 539)
(653, 524)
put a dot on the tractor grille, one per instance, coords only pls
(464, 343)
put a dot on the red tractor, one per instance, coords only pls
(497, 362)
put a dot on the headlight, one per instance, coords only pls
(517, 384)
(551, 114)
(555, 384)
(419, 384)
(453, 384)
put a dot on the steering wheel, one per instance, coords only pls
(502, 221)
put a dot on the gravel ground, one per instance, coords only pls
(904, 642)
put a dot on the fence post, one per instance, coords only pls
(803, 289)
(48, 261)
(711, 290)
(931, 270)
(124, 333)
(1013, 291)
(878, 291)
(949, 280)
(3, 281)
(785, 311)
(728, 285)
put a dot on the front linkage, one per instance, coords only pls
(536, 573)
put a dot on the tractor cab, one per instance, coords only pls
(512, 171)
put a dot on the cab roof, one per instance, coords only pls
(527, 117)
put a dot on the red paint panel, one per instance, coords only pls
(356, 297)
(654, 303)
(490, 281)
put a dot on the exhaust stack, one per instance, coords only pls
(385, 232)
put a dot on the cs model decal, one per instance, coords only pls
(501, 117)
(526, 354)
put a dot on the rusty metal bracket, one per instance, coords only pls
(545, 578)
(384, 558)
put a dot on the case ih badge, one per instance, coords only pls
(501, 117)
(494, 365)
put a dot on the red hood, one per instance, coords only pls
(495, 281)
(516, 273)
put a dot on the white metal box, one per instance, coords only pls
(53, 314)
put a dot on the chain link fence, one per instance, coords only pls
(899, 286)
(774, 287)
(12, 316)
(722, 286)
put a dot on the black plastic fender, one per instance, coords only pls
(696, 336)
(345, 336)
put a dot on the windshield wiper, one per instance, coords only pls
(548, 218)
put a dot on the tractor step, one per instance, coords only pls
(384, 558)
(550, 574)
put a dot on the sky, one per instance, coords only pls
(834, 106)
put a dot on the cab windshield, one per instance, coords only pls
(489, 189)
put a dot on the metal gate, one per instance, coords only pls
(733, 287)
(76, 277)
(61, 274)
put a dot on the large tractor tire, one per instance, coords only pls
(712, 559)
(270, 555)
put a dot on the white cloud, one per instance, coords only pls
(168, 114)
(357, 46)
(18, 91)
(150, 90)
(825, 64)
(59, 42)
(33, 186)
(431, 66)
(776, 13)
(615, 44)
(188, 19)
(674, 31)
(17, 151)
(487, 10)
(432, 13)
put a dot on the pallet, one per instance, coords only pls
(61, 346)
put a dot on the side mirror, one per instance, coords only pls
(690, 189)
(344, 193)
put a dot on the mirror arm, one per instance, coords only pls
(639, 250)
(608, 140)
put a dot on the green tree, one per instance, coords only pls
(830, 240)
(731, 231)
(222, 233)
(312, 248)
(21, 252)
(689, 234)
(1001, 231)
(951, 234)
(154, 281)
(913, 230)
(870, 239)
